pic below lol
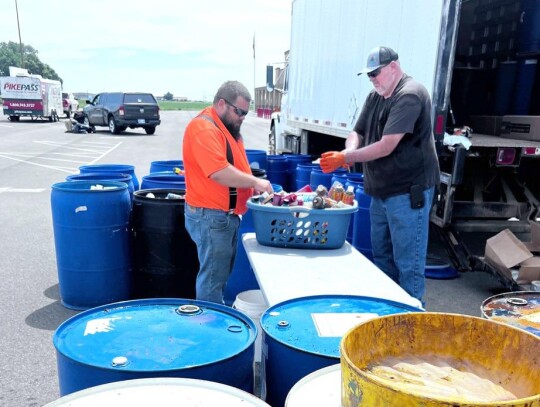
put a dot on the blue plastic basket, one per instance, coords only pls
(300, 227)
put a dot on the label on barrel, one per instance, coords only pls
(338, 324)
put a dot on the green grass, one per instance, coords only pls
(171, 105)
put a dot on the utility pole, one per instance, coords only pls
(19, 28)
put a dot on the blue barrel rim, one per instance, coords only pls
(105, 167)
(68, 186)
(289, 345)
(116, 175)
(158, 301)
(167, 162)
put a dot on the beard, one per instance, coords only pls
(233, 128)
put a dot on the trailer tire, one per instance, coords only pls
(272, 139)
(14, 118)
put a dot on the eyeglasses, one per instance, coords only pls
(239, 112)
(376, 72)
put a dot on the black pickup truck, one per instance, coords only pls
(119, 110)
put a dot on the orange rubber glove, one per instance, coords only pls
(332, 160)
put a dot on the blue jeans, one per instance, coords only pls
(215, 233)
(399, 238)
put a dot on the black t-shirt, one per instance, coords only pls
(414, 160)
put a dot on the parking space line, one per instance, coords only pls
(105, 153)
(70, 147)
(31, 190)
(95, 154)
(52, 167)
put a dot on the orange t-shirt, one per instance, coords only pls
(204, 153)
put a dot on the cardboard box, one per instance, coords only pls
(505, 251)
(490, 125)
(521, 127)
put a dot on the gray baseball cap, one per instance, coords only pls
(379, 56)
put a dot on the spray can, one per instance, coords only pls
(348, 196)
(318, 202)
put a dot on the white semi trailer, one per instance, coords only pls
(477, 59)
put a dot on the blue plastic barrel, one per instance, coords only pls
(276, 163)
(169, 337)
(257, 159)
(163, 180)
(277, 188)
(278, 177)
(361, 238)
(120, 168)
(276, 171)
(504, 88)
(355, 177)
(303, 174)
(105, 176)
(293, 160)
(167, 165)
(529, 30)
(341, 177)
(356, 180)
(299, 337)
(318, 177)
(91, 235)
(526, 73)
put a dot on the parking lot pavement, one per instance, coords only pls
(34, 156)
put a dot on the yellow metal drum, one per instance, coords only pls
(497, 353)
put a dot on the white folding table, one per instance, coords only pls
(284, 273)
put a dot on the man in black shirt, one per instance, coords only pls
(393, 139)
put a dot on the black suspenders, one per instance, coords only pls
(233, 194)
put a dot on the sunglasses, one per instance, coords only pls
(239, 112)
(376, 72)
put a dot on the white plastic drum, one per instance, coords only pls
(163, 392)
(320, 388)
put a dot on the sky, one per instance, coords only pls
(185, 47)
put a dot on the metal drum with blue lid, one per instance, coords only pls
(303, 335)
(148, 338)
(162, 392)
(520, 309)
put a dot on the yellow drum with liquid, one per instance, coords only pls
(438, 359)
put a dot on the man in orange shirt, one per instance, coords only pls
(218, 184)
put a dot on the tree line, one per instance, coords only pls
(10, 55)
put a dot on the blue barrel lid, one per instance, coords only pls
(155, 335)
(82, 186)
(316, 324)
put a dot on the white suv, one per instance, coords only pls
(70, 104)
